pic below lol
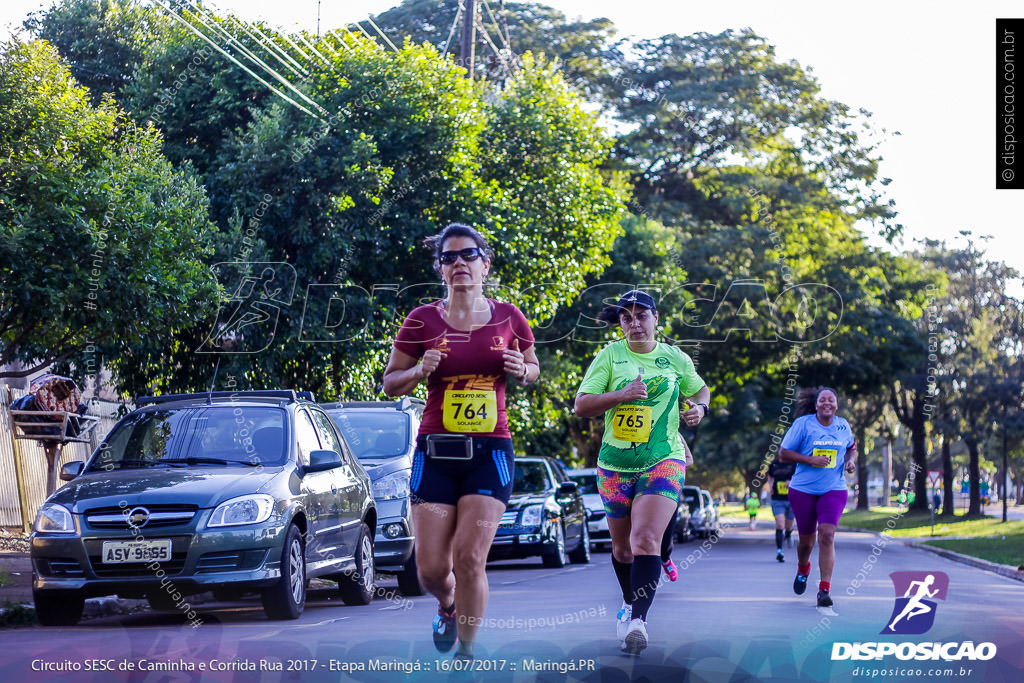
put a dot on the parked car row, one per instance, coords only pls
(256, 492)
(704, 521)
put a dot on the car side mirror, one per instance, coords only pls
(320, 461)
(566, 489)
(70, 470)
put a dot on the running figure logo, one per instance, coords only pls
(914, 612)
(247, 319)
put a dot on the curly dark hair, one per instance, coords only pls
(807, 400)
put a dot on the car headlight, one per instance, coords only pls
(251, 509)
(54, 519)
(532, 515)
(395, 485)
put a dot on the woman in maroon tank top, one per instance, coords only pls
(464, 347)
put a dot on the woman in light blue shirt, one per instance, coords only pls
(817, 491)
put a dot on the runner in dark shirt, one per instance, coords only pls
(779, 474)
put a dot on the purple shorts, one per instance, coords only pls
(811, 510)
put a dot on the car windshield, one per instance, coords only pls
(531, 477)
(374, 434)
(691, 500)
(202, 435)
(587, 482)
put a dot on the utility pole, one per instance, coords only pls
(468, 45)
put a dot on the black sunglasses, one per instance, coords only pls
(468, 254)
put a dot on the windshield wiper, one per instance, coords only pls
(216, 461)
(134, 463)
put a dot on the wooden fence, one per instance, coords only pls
(23, 462)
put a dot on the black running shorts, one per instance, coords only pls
(449, 474)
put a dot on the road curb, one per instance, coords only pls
(1006, 570)
(1001, 569)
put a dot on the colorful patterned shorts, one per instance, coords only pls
(619, 489)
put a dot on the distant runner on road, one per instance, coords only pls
(753, 505)
(779, 474)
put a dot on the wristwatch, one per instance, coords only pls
(706, 409)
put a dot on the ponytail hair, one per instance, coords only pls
(807, 400)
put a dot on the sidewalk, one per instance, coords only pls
(16, 575)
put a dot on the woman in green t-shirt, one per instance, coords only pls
(640, 386)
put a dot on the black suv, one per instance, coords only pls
(382, 434)
(226, 491)
(545, 516)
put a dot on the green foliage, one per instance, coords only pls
(407, 146)
(101, 240)
(16, 614)
(103, 41)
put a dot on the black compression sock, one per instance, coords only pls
(644, 580)
(622, 573)
(789, 532)
(778, 539)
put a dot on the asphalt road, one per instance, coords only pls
(731, 616)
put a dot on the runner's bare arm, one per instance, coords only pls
(793, 456)
(404, 372)
(592, 405)
(851, 460)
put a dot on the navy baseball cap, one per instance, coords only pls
(636, 297)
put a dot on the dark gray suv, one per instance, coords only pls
(382, 434)
(233, 492)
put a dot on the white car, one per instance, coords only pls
(597, 522)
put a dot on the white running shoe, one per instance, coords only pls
(622, 620)
(635, 641)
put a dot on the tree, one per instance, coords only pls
(981, 326)
(102, 240)
(583, 51)
(160, 70)
(408, 145)
(104, 42)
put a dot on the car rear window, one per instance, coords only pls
(587, 483)
(531, 477)
(201, 435)
(374, 434)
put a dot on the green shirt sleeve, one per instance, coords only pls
(598, 375)
(689, 381)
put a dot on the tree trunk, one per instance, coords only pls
(917, 439)
(887, 471)
(862, 470)
(947, 478)
(974, 475)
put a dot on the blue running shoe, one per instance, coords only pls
(445, 629)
